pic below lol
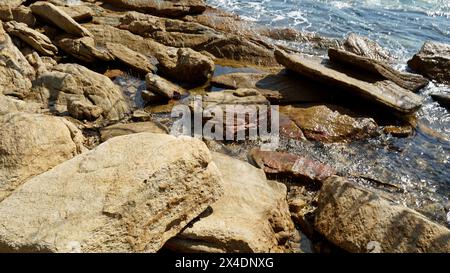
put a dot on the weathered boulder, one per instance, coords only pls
(378, 68)
(249, 217)
(163, 8)
(365, 47)
(130, 194)
(16, 73)
(385, 93)
(31, 144)
(131, 128)
(83, 110)
(35, 39)
(163, 87)
(10, 105)
(82, 48)
(135, 60)
(354, 219)
(279, 88)
(75, 82)
(59, 18)
(443, 99)
(433, 61)
(19, 14)
(330, 123)
(299, 168)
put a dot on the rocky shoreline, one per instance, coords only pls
(87, 163)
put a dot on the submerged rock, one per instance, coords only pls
(378, 68)
(163, 8)
(35, 39)
(163, 87)
(75, 82)
(249, 217)
(354, 219)
(31, 144)
(131, 128)
(433, 61)
(130, 194)
(329, 123)
(365, 47)
(58, 17)
(385, 93)
(292, 166)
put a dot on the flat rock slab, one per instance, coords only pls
(164, 88)
(164, 8)
(131, 128)
(58, 17)
(251, 216)
(381, 69)
(135, 60)
(359, 220)
(385, 93)
(130, 194)
(83, 48)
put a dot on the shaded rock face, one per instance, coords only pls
(83, 110)
(130, 194)
(135, 60)
(378, 68)
(131, 128)
(11, 3)
(31, 144)
(365, 47)
(75, 82)
(168, 8)
(329, 123)
(249, 217)
(59, 18)
(82, 48)
(16, 73)
(292, 166)
(35, 39)
(355, 219)
(163, 87)
(443, 99)
(384, 93)
(19, 14)
(433, 61)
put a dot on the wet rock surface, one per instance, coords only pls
(433, 61)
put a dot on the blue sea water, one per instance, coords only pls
(399, 25)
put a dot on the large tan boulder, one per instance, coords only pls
(75, 82)
(10, 104)
(359, 220)
(31, 144)
(252, 215)
(130, 194)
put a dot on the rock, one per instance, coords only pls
(190, 67)
(16, 73)
(151, 97)
(289, 129)
(11, 3)
(10, 105)
(75, 82)
(83, 110)
(433, 61)
(163, 87)
(58, 17)
(31, 144)
(131, 128)
(443, 99)
(130, 194)
(78, 12)
(114, 73)
(279, 88)
(135, 60)
(40, 64)
(141, 115)
(378, 68)
(353, 218)
(35, 39)
(330, 123)
(82, 48)
(163, 8)
(365, 47)
(398, 131)
(19, 14)
(249, 217)
(385, 93)
(301, 169)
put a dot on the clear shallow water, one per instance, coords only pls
(400, 25)
(419, 165)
